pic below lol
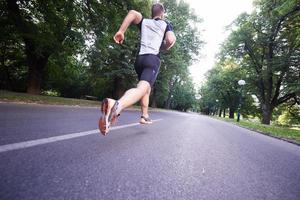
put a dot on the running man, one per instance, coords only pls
(155, 34)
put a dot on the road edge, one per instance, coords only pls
(295, 142)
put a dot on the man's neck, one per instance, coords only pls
(157, 17)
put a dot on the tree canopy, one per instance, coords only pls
(265, 45)
(67, 47)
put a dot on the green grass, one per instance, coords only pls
(40, 99)
(291, 134)
(8, 96)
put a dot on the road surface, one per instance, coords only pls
(56, 152)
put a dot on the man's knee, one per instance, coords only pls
(144, 86)
(149, 91)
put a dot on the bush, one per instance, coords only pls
(290, 116)
(52, 93)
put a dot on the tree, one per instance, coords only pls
(289, 115)
(46, 27)
(54, 34)
(183, 97)
(221, 89)
(174, 72)
(111, 65)
(67, 47)
(12, 58)
(268, 50)
(67, 76)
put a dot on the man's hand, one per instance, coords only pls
(119, 37)
(132, 17)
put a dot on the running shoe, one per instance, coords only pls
(109, 115)
(145, 120)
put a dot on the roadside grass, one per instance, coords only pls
(291, 134)
(17, 97)
(8, 96)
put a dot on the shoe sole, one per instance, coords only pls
(145, 122)
(104, 121)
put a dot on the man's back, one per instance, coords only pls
(152, 34)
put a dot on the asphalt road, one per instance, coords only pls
(180, 156)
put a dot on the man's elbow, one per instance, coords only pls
(133, 12)
(170, 42)
(137, 16)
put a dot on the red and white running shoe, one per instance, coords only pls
(109, 114)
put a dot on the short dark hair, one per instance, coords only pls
(157, 9)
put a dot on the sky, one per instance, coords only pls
(216, 15)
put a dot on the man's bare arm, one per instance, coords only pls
(132, 17)
(169, 40)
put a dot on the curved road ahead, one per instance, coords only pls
(180, 156)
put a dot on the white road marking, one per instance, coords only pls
(31, 143)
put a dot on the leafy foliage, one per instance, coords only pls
(174, 74)
(264, 45)
(222, 90)
(66, 47)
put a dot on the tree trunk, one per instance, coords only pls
(118, 88)
(207, 111)
(224, 113)
(34, 81)
(172, 83)
(5, 75)
(220, 112)
(153, 102)
(37, 53)
(213, 112)
(266, 114)
(168, 101)
(231, 113)
(35, 73)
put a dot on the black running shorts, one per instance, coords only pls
(147, 67)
